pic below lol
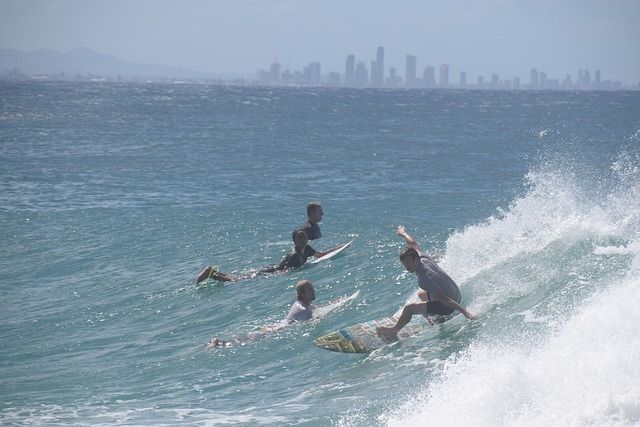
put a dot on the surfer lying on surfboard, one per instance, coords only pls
(300, 311)
(296, 258)
(438, 292)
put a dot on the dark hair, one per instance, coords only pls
(312, 207)
(409, 253)
(298, 233)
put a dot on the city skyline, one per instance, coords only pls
(85, 64)
(232, 38)
(356, 74)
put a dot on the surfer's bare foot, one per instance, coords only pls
(387, 333)
(204, 275)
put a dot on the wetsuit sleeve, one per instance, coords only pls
(309, 251)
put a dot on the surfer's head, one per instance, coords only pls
(300, 240)
(314, 212)
(305, 292)
(410, 259)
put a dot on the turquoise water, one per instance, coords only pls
(113, 197)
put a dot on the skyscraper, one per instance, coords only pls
(362, 76)
(350, 71)
(463, 78)
(429, 77)
(495, 81)
(444, 75)
(315, 74)
(377, 71)
(275, 72)
(535, 79)
(543, 80)
(410, 71)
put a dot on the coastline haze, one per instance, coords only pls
(240, 37)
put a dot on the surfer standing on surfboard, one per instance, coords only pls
(438, 292)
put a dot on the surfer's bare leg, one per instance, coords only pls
(211, 273)
(204, 274)
(407, 312)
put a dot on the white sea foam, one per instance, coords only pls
(588, 374)
(586, 370)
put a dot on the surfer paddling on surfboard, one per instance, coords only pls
(440, 296)
(296, 258)
(300, 311)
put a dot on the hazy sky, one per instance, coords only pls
(239, 36)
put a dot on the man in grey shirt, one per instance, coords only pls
(302, 309)
(440, 296)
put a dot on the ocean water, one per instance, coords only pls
(113, 197)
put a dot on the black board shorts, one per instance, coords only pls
(436, 308)
(437, 312)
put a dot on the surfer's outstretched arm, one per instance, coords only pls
(407, 238)
(319, 254)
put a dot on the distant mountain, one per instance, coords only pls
(84, 61)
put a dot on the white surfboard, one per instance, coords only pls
(323, 310)
(331, 254)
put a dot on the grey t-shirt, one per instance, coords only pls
(431, 277)
(298, 313)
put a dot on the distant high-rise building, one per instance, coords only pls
(286, 78)
(516, 82)
(410, 71)
(543, 80)
(463, 78)
(495, 81)
(534, 82)
(377, 70)
(350, 71)
(429, 77)
(362, 75)
(587, 78)
(444, 75)
(394, 80)
(596, 79)
(584, 79)
(275, 72)
(315, 77)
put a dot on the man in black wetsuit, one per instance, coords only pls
(296, 258)
(311, 227)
